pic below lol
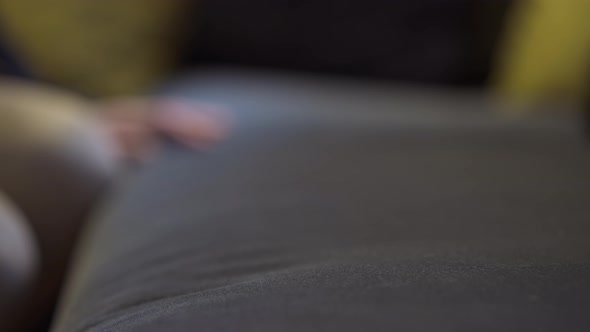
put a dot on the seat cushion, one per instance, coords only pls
(345, 206)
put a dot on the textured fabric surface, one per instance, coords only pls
(342, 206)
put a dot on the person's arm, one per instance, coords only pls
(56, 161)
(19, 264)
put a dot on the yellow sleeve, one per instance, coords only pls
(546, 54)
(106, 47)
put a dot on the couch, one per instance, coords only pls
(345, 199)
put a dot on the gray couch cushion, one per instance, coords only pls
(345, 206)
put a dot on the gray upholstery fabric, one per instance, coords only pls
(345, 206)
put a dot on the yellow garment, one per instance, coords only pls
(100, 47)
(547, 52)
